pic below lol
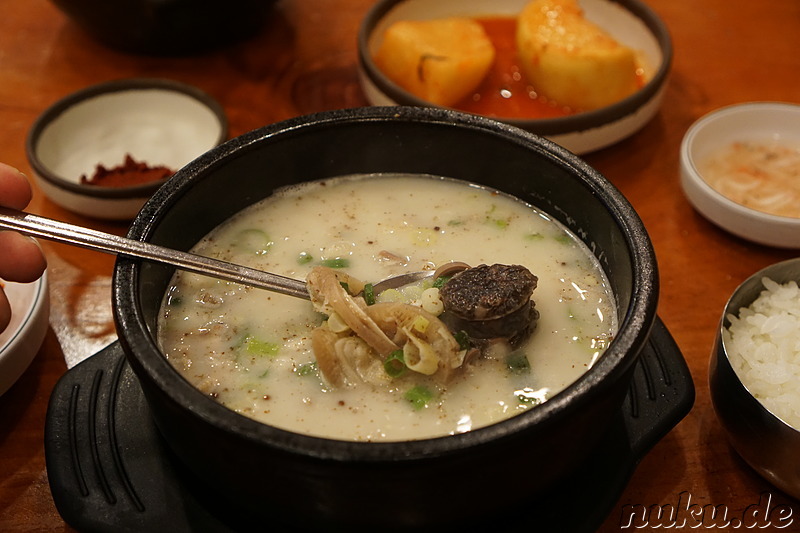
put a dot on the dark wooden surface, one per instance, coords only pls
(305, 61)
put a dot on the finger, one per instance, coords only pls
(5, 311)
(15, 189)
(22, 259)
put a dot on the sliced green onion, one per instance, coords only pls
(256, 346)
(500, 223)
(307, 369)
(339, 262)
(517, 362)
(304, 258)
(174, 301)
(440, 281)
(395, 364)
(253, 241)
(462, 339)
(369, 294)
(529, 396)
(345, 286)
(420, 324)
(419, 397)
(390, 295)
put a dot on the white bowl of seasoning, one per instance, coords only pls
(104, 150)
(740, 168)
(505, 92)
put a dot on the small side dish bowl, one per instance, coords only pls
(629, 22)
(157, 122)
(762, 129)
(762, 438)
(20, 341)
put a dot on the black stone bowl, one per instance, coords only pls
(260, 473)
(167, 27)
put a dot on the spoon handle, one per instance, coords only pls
(46, 228)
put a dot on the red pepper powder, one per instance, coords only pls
(130, 173)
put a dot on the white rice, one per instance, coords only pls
(763, 345)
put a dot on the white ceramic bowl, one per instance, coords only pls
(756, 121)
(156, 121)
(20, 341)
(630, 22)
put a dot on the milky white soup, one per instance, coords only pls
(250, 349)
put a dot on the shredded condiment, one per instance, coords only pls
(760, 175)
(131, 172)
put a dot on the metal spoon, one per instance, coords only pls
(46, 228)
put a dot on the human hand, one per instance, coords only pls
(21, 258)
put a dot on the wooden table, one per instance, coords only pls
(305, 61)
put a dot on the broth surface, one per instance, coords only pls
(250, 349)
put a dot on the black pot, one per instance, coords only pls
(268, 473)
(167, 27)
